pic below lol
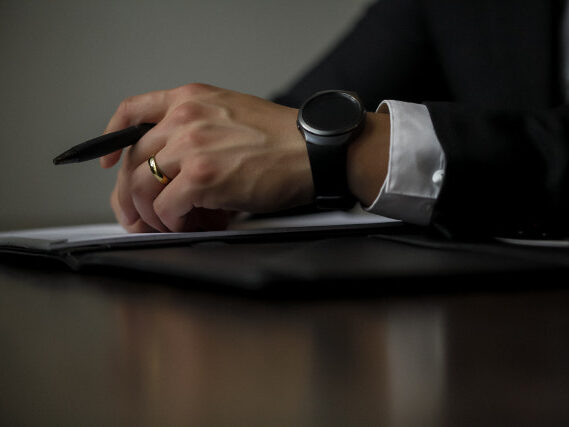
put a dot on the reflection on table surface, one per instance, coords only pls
(88, 350)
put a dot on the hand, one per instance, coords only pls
(223, 150)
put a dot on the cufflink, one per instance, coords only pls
(438, 177)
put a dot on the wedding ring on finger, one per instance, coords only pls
(158, 174)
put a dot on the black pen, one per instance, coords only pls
(103, 145)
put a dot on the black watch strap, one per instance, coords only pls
(329, 171)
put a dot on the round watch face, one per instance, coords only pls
(331, 113)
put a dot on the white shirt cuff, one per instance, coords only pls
(416, 165)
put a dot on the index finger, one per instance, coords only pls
(149, 107)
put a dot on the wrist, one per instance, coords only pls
(368, 158)
(330, 121)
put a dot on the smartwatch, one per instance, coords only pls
(329, 121)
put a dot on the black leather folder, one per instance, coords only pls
(310, 260)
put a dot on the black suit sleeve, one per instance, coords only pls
(386, 55)
(507, 172)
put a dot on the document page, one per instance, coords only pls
(58, 238)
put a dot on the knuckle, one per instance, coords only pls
(125, 107)
(196, 135)
(124, 207)
(164, 213)
(193, 89)
(202, 171)
(224, 112)
(200, 133)
(187, 112)
(161, 210)
(181, 142)
(137, 190)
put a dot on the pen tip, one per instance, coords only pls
(63, 159)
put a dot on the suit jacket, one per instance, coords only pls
(489, 73)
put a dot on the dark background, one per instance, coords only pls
(66, 65)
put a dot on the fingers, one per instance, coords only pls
(124, 209)
(135, 179)
(140, 202)
(170, 130)
(138, 226)
(144, 190)
(137, 188)
(170, 117)
(135, 193)
(146, 108)
(173, 204)
(149, 107)
(152, 107)
(110, 159)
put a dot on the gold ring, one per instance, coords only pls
(162, 179)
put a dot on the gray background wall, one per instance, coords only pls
(65, 65)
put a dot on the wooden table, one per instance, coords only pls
(100, 350)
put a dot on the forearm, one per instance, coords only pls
(507, 171)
